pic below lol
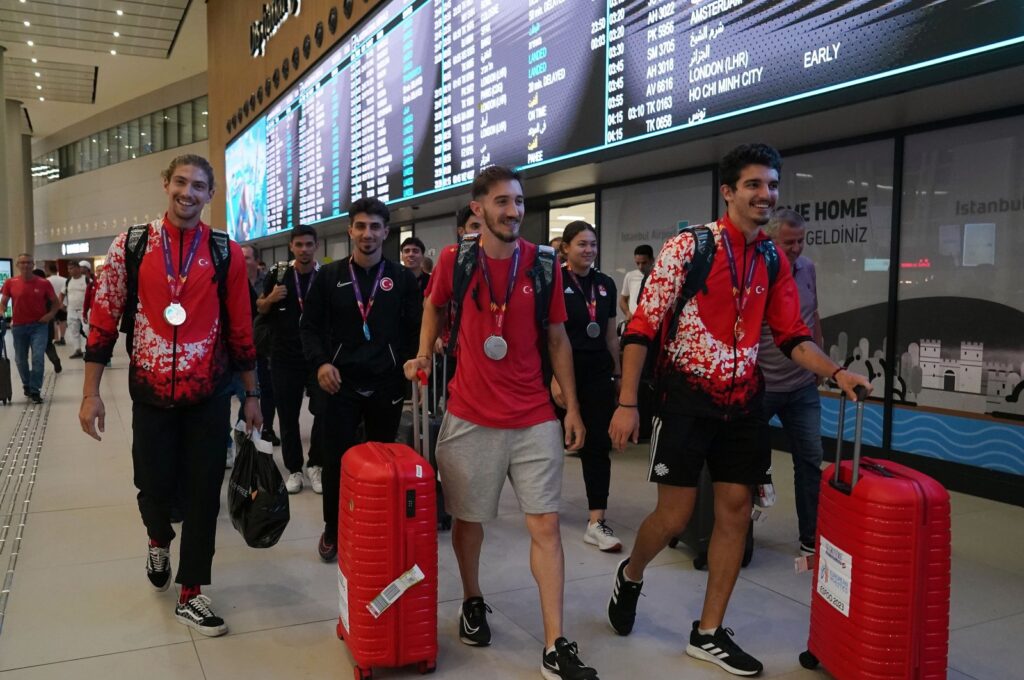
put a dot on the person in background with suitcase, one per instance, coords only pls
(35, 305)
(360, 323)
(283, 300)
(191, 329)
(710, 390)
(590, 305)
(500, 422)
(791, 392)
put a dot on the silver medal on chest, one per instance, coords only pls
(593, 329)
(174, 314)
(495, 347)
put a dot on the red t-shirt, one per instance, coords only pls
(29, 298)
(510, 393)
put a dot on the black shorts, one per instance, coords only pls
(62, 315)
(736, 451)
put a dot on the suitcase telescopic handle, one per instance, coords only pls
(861, 394)
(420, 416)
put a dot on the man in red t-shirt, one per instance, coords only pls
(35, 304)
(500, 422)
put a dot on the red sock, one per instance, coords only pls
(153, 543)
(188, 592)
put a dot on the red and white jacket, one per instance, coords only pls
(175, 365)
(705, 371)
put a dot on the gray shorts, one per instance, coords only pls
(475, 460)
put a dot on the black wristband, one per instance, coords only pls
(836, 372)
(621, 405)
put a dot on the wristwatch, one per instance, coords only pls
(253, 394)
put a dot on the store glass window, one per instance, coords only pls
(186, 134)
(960, 340)
(171, 127)
(846, 194)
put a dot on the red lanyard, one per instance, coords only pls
(499, 310)
(177, 283)
(739, 296)
(365, 309)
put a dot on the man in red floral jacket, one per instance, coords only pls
(189, 338)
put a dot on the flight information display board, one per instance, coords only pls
(425, 93)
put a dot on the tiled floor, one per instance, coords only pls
(80, 606)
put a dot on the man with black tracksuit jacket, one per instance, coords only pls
(361, 323)
(283, 299)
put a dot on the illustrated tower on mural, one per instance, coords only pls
(954, 375)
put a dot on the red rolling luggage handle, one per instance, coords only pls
(861, 394)
(420, 416)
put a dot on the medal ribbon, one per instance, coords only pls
(367, 307)
(591, 299)
(499, 311)
(739, 296)
(177, 283)
(302, 296)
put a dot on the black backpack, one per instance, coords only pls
(542, 274)
(135, 249)
(697, 272)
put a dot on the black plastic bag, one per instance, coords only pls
(257, 497)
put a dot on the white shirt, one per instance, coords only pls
(631, 287)
(76, 294)
(57, 281)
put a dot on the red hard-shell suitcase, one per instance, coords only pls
(387, 523)
(880, 594)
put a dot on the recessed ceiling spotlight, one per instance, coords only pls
(42, 99)
(120, 12)
(27, 23)
(34, 60)
(117, 34)
(38, 74)
(30, 43)
(113, 52)
(39, 87)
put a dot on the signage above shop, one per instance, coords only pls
(274, 15)
(74, 248)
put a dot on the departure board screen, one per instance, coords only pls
(425, 93)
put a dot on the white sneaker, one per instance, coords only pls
(294, 482)
(315, 473)
(600, 534)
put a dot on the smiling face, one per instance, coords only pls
(790, 240)
(412, 257)
(753, 199)
(188, 191)
(581, 251)
(367, 232)
(502, 209)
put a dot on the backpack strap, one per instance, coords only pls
(134, 250)
(771, 258)
(220, 253)
(465, 265)
(542, 273)
(697, 271)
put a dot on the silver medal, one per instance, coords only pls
(495, 347)
(174, 314)
(593, 329)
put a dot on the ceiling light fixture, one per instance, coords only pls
(117, 34)
(38, 74)
(34, 60)
(31, 44)
(120, 12)
(42, 99)
(39, 87)
(113, 52)
(27, 23)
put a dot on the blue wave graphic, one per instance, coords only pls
(960, 440)
(872, 421)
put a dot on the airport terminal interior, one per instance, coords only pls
(901, 128)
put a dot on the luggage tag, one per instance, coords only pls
(394, 590)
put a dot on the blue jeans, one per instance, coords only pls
(800, 413)
(34, 336)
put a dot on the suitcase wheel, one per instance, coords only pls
(700, 562)
(363, 673)
(808, 660)
(341, 631)
(425, 667)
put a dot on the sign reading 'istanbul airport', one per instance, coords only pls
(274, 15)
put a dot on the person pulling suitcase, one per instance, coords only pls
(709, 389)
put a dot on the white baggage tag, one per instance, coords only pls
(394, 590)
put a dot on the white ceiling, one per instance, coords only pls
(160, 42)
